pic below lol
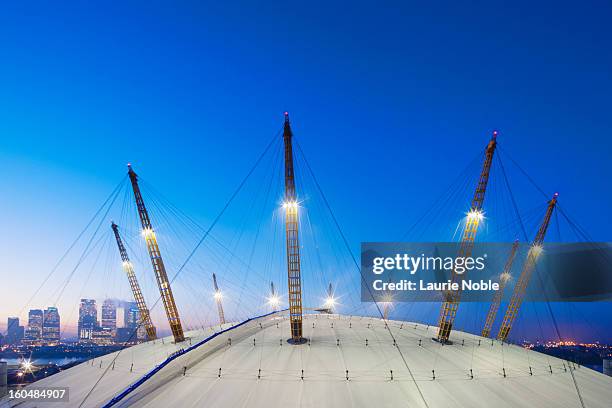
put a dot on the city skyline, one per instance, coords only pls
(48, 329)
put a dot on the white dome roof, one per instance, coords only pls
(337, 344)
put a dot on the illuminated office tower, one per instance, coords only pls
(51, 326)
(88, 319)
(109, 316)
(33, 334)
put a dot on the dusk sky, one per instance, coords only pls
(389, 103)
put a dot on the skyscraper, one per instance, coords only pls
(131, 319)
(88, 319)
(14, 332)
(33, 334)
(131, 315)
(51, 326)
(109, 316)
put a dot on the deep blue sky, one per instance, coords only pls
(389, 103)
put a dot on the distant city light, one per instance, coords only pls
(27, 365)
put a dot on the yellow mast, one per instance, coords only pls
(145, 317)
(293, 247)
(521, 285)
(503, 280)
(448, 311)
(157, 261)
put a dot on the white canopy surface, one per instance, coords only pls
(254, 366)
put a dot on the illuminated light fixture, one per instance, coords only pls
(274, 301)
(218, 295)
(290, 204)
(387, 299)
(504, 277)
(475, 215)
(536, 250)
(147, 232)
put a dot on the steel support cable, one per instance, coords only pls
(191, 229)
(192, 253)
(326, 224)
(529, 178)
(554, 320)
(458, 185)
(459, 177)
(72, 245)
(196, 227)
(578, 230)
(323, 279)
(307, 220)
(252, 209)
(582, 234)
(259, 225)
(85, 254)
(348, 247)
(102, 238)
(306, 259)
(452, 197)
(164, 213)
(523, 230)
(82, 257)
(159, 211)
(185, 222)
(221, 258)
(309, 233)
